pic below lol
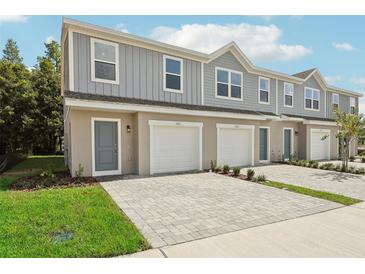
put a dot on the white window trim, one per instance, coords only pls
(181, 75)
(93, 59)
(233, 126)
(292, 95)
(229, 84)
(153, 123)
(268, 145)
(268, 91)
(119, 157)
(319, 99)
(328, 131)
(333, 101)
(291, 141)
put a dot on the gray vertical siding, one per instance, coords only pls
(140, 75)
(250, 86)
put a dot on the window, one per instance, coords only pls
(264, 144)
(288, 94)
(104, 61)
(335, 101)
(172, 68)
(311, 98)
(228, 84)
(264, 90)
(352, 105)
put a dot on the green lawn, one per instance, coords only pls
(31, 221)
(314, 193)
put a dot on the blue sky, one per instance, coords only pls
(285, 43)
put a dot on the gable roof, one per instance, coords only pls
(107, 33)
(304, 74)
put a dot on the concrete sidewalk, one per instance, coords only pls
(335, 233)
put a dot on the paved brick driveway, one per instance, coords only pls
(179, 208)
(336, 182)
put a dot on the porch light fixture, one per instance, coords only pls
(128, 128)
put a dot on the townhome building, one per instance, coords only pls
(138, 106)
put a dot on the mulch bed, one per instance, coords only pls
(230, 174)
(60, 180)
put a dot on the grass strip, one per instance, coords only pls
(337, 198)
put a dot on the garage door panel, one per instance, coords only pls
(175, 148)
(234, 147)
(320, 145)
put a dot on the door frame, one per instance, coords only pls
(117, 171)
(268, 145)
(237, 126)
(291, 141)
(199, 125)
(320, 130)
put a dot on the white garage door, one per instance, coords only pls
(175, 146)
(320, 146)
(235, 145)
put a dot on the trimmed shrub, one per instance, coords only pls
(315, 164)
(218, 169)
(363, 160)
(261, 178)
(213, 165)
(352, 169)
(226, 169)
(236, 171)
(361, 170)
(352, 158)
(338, 167)
(250, 174)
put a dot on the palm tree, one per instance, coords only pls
(351, 127)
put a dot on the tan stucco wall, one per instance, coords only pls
(210, 136)
(81, 140)
(136, 145)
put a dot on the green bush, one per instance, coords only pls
(79, 174)
(213, 165)
(361, 170)
(250, 174)
(236, 171)
(363, 160)
(218, 169)
(327, 166)
(261, 178)
(362, 153)
(352, 158)
(315, 164)
(226, 169)
(338, 167)
(352, 169)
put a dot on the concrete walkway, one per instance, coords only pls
(335, 233)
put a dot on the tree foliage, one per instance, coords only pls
(351, 126)
(31, 103)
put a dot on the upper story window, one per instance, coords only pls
(104, 61)
(264, 90)
(172, 74)
(311, 98)
(335, 100)
(288, 94)
(352, 105)
(228, 83)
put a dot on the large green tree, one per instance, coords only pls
(11, 52)
(46, 82)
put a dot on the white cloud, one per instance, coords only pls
(343, 46)
(49, 39)
(13, 18)
(358, 80)
(257, 41)
(333, 79)
(121, 27)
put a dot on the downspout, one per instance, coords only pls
(277, 98)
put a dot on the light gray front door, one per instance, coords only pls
(287, 143)
(106, 146)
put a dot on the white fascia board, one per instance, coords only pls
(114, 106)
(319, 123)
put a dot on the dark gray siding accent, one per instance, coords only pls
(298, 108)
(66, 75)
(250, 86)
(140, 75)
